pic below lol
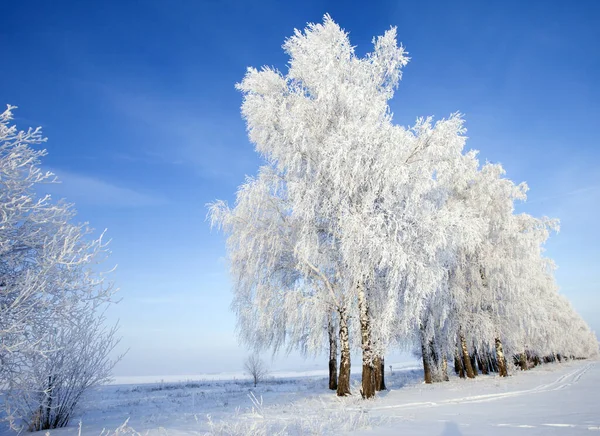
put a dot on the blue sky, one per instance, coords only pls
(138, 101)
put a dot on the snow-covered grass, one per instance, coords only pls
(556, 398)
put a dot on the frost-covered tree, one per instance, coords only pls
(48, 282)
(256, 368)
(281, 297)
(395, 230)
(355, 182)
(498, 288)
(473, 299)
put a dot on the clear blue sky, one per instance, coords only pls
(138, 100)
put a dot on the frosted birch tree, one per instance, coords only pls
(498, 289)
(355, 182)
(281, 297)
(393, 228)
(474, 301)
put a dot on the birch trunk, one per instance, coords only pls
(458, 364)
(427, 376)
(500, 360)
(332, 354)
(343, 385)
(368, 371)
(465, 357)
(445, 369)
(436, 370)
(474, 363)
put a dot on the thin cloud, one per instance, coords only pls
(85, 190)
(572, 193)
(173, 299)
(206, 142)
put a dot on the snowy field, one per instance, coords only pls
(553, 399)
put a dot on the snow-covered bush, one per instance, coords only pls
(53, 345)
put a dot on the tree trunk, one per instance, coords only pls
(436, 371)
(368, 371)
(332, 354)
(48, 414)
(426, 364)
(500, 360)
(523, 362)
(492, 362)
(368, 381)
(427, 375)
(379, 364)
(466, 359)
(482, 362)
(458, 364)
(474, 363)
(445, 369)
(343, 385)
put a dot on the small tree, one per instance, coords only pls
(53, 342)
(256, 368)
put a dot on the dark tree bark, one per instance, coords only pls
(473, 358)
(332, 354)
(368, 381)
(379, 364)
(532, 359)
(523, 362)
(465, 357)
(492, 362)
(482, 362)
(333, 374)
(343, 385)
(426, 365)
(500, 359)
(458, 364)
(427, 375)
(435, 362)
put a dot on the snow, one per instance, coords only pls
(555, 399)
(551, 399)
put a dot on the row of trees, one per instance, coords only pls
(396, 235)
(53, 341)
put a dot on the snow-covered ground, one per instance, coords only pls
(551, 399)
